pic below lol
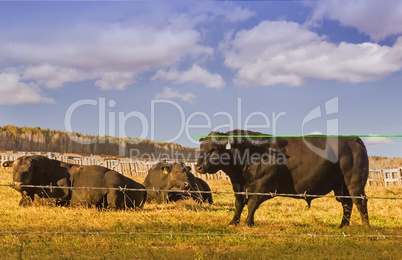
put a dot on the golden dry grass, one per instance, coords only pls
(276, 216)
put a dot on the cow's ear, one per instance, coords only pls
(166, 169)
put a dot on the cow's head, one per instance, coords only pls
(214, 153)
(179, 175)
(23, 170)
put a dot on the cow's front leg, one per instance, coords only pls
(239, 205)
(253, 203)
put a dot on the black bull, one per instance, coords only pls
(288, 166)
(41, 171)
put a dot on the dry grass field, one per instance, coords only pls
(277, 216)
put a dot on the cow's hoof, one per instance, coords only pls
(366, 225)
(251, 224)
(343, 225)
(234, 222)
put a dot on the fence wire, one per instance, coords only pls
(172, 234)
(244, 193)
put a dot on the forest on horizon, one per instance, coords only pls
(36, 139)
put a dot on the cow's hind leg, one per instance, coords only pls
(361, 204)
(360, 200)
(355, 174)
(347, 205)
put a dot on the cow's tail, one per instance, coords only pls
(365, 166)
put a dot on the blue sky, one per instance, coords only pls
(162, 67)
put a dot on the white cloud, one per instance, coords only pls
(169, 93)
(113, 48)
(113, 54)
(211, 11)
(285, 52)
(231, 12)
(378, 140)
(52, 76)
(115, 80)
(315, 133)
(379, 19)
(14, 91)
(195, 74)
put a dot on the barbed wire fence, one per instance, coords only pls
(245, 193)
(208, 235)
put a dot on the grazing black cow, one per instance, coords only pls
(177, 178)
(39, 170)
(288, 166)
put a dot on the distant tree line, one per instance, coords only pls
(36, 139)
(46, 140)
(382, 162)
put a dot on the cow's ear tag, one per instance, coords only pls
(228, 147)
(165, 171)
